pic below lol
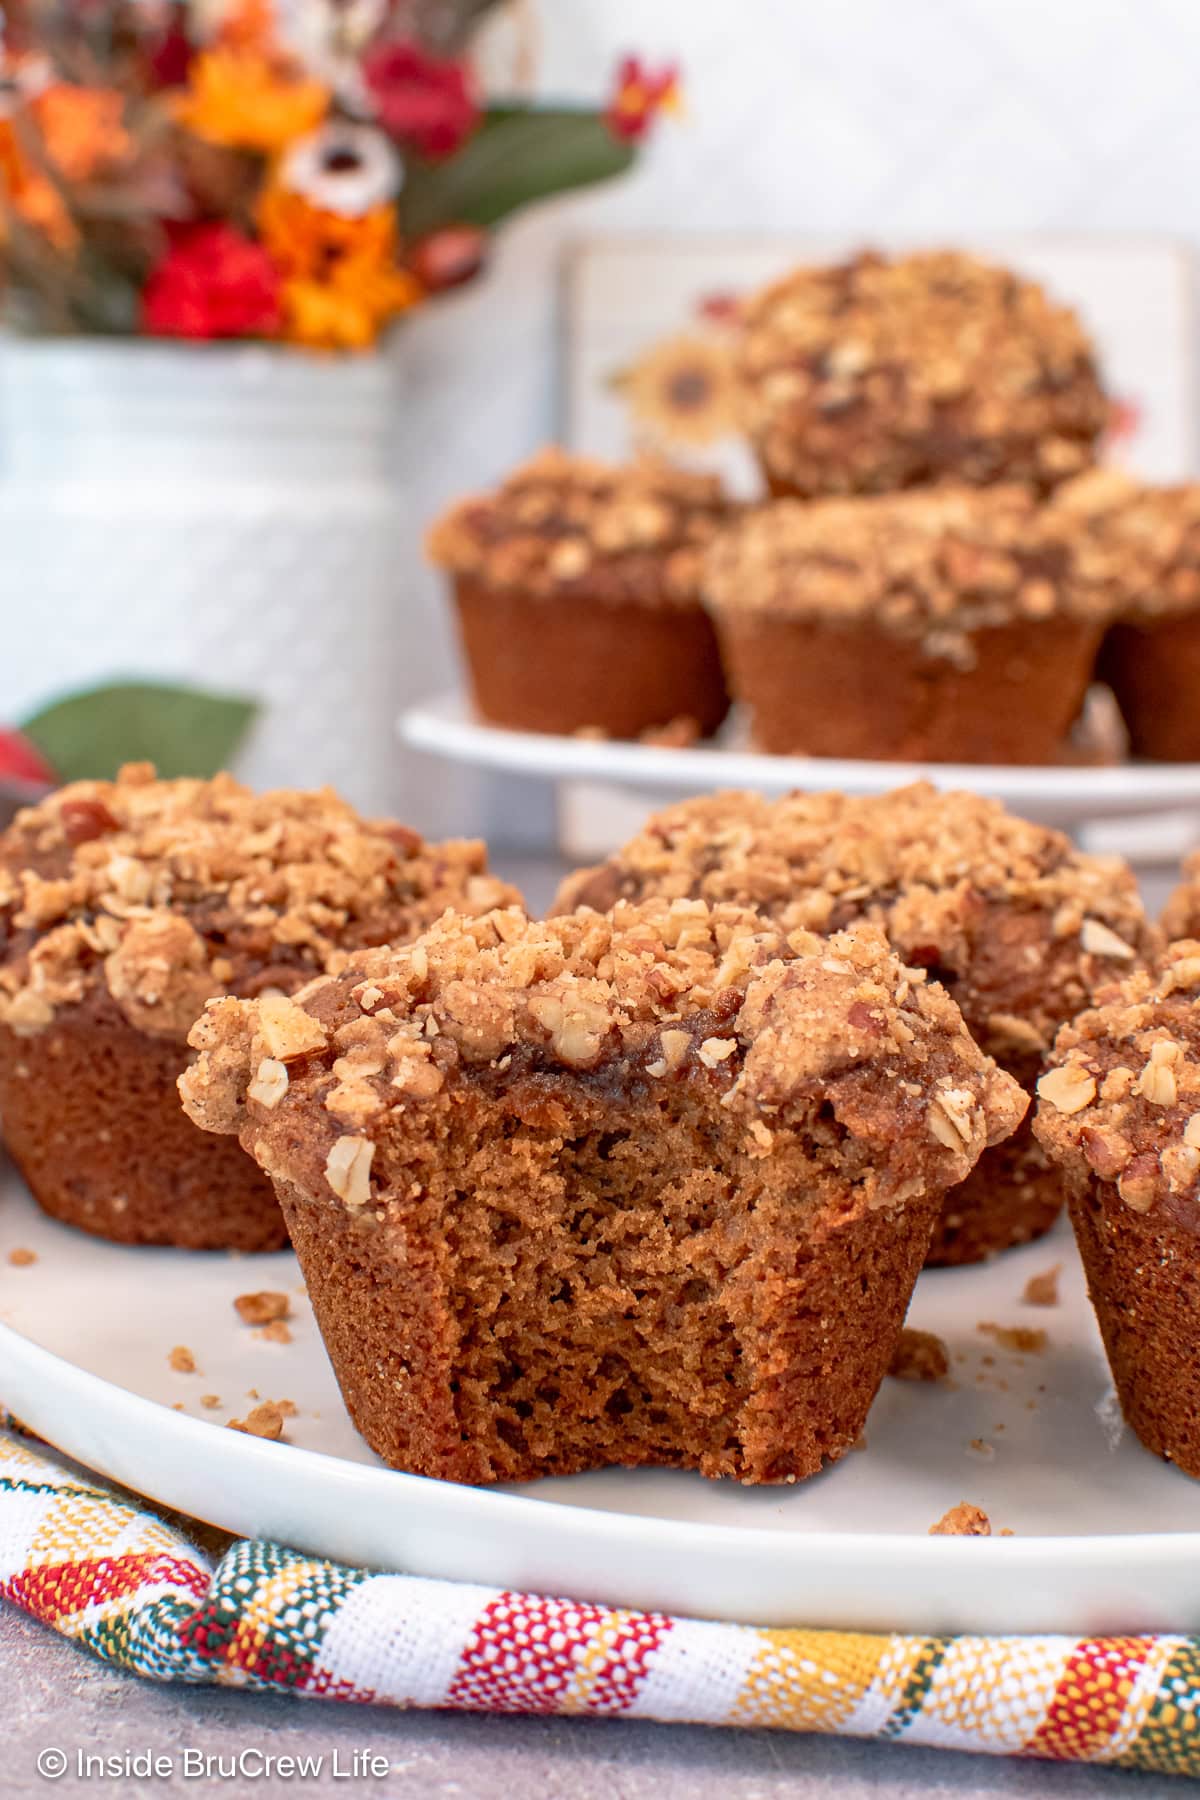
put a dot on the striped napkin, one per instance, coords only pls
(138, 1592)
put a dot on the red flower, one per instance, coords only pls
(422, 100)
(22, 761)
(212, 283)
(639, 97)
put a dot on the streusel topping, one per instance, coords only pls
(937, 565)
(1020, 924)
(1121, 1099)
(874, 375)
(165, 893)
(1141, 543)
(570, 524)
(776, 1025)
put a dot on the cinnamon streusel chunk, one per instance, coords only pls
(124, 906)
(1022, 928)
(576, 584)
(950, 624)
(1119, 1112)
(645, 1188)
(877, 374)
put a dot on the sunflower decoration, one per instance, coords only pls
(297, 170)
(683, 391)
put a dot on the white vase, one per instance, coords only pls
(216, 515)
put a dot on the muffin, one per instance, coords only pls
(944, 626)
(576, 589)
(1119, 1112)
(1019, 926)
(645, 1189)
(1145, 543)
(1181, 914)
(879, 374)
(124, 906)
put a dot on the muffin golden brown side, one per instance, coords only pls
(1020, 927)
(124, 906)
(1119, 1112)
(648, 1188)
(576, 588)
(876, 374)
(949, 625)
(1144, 544)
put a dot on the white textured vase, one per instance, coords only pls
(221, 516)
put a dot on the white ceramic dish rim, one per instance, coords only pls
(445, 726)
(476, 1535)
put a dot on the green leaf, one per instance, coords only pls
(182, 730)
(518, 155)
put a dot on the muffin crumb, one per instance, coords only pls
(1026, 1340)
(919, 1356)
(209, 1401)
(266, 1421)
(275, 1332)
(21, 1258)
(263, 1308)
(1042, 1290)
(182, 1360)
(963, 1520)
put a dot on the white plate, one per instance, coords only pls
(1107, 1537)
(1066, 795)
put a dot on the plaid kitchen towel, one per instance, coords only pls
(135, 1591)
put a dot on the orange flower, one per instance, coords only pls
(341, 280)
(344, 317)
(81, 129)
(247, 100)
(29, 194)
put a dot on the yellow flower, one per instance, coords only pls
(685, 389)
(341, 280)
(248, 100)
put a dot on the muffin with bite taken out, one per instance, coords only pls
(647, 1188)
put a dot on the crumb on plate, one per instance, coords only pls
(266, 1421)
(919, 1356)
(182, 1360)
(276, 1332)
(963, 1520)
(263, 1308)
(1027, 1340)
(20, 1258)
(1042, 1290)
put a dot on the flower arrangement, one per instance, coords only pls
(297, 170)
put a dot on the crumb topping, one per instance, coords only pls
(937, 565)
(1121, 1100)
(1023, 927)
(1142, 543)
(878, 374)
(162, 894)
(563, 524)
(774, 1026)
